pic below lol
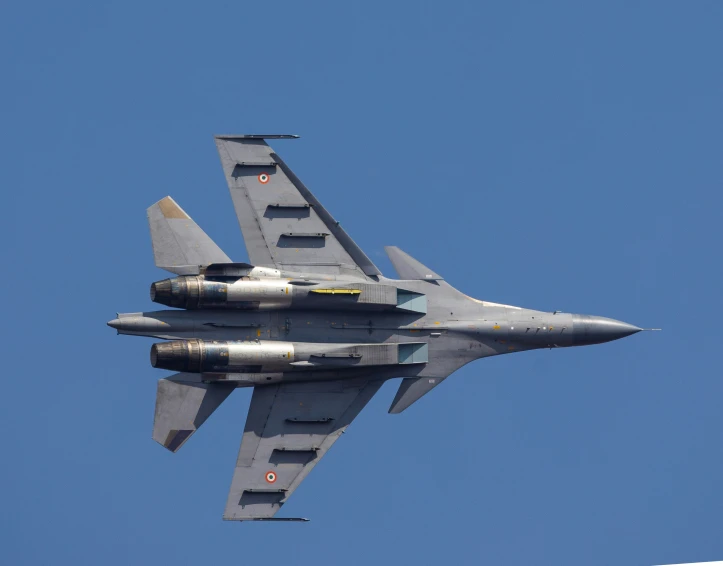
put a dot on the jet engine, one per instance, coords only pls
(202, 356)
(195, 292)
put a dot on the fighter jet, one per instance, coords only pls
(310, 323)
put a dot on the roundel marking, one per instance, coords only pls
(270, 477)
(263, 178)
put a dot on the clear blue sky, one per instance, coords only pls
(555, 155)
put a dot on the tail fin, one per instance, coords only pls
(409, 268)
(183, 403)
(179, 245)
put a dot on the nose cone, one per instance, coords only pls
(589, 329)
(115, 323)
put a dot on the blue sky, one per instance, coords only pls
(556, 155)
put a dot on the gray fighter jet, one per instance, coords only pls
(311, 324)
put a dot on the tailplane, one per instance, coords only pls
(183, 403)
(179, 245)
(412, 389)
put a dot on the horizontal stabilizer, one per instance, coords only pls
(179, 245)
(412, 389)
(183, 403)
(409, 268)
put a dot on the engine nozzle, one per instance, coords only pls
(161, 292)
(179, 355)
(181, 292)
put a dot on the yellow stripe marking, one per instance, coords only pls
(337, 291)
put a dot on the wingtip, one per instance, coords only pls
(268, 519)
(256, 136)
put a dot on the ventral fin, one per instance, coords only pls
(409, 268)
(411, 390)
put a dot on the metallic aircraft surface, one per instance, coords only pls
(310, 323)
